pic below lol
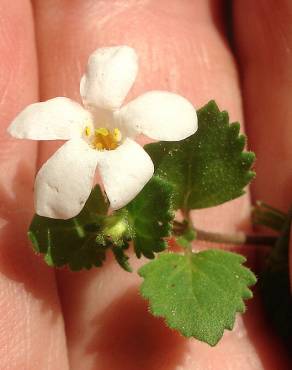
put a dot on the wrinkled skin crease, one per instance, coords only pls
(95, 320)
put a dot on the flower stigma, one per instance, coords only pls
(103, 138)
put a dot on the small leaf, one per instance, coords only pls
(68, 241)
(150, 215)
(209, 167)
(121, 257)
(197, 294)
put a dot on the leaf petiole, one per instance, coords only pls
(239, 238)
(180, 228)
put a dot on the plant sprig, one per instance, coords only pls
(197, 294)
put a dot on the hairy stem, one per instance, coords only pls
(239, 238)
(179, 228)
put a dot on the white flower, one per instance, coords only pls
(100, 134)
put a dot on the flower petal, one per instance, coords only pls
(111, 72)
(64, 182)
(124, 172)
(160, 115)
(55, 119)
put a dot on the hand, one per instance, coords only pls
(96, 320)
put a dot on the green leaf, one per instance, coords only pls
(121, 257)
(150, 215)
(209, 167)
(197, 294)
(68, 241)
(275, 286)
(82, 241)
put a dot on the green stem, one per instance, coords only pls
(187, 225)
(179, 228)
(239, 238)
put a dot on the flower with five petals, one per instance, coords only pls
(101, 134)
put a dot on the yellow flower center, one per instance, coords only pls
(104, 139)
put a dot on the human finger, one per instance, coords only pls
(32, 332)
(193, 60)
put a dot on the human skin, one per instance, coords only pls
(95, 320)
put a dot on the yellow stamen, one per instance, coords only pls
(117, 134)
(87, 131)
(102, 131)
(104, 139)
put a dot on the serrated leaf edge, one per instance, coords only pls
(229, 326)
